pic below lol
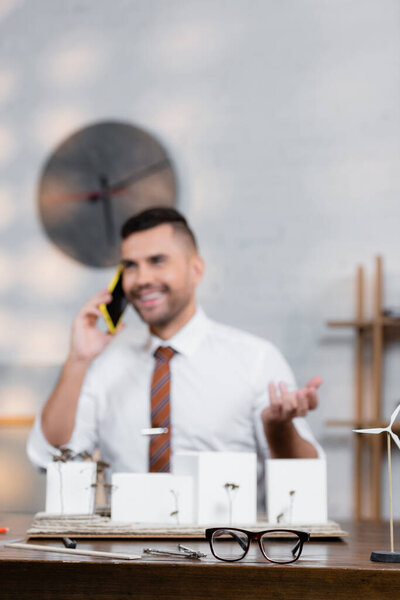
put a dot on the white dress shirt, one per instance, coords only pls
(219, 385)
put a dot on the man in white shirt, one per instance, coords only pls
(228, 390)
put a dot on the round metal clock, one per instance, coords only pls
(97, 178)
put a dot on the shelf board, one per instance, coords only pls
(391, 321)
(16, 420)
(355, 323)
(382, 321)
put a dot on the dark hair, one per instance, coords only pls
(152, 217)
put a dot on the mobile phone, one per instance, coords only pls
(113, 310)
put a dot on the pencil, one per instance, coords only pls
(43, 548)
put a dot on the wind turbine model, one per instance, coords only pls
(384, 555)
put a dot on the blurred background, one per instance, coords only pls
(282, 121)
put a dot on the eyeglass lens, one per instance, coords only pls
(228, 544)
(282, 549)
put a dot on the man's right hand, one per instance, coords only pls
(87, 341)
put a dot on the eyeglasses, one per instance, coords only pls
(280, 546)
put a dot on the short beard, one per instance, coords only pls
(163, 319)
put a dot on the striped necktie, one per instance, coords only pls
(160, 444)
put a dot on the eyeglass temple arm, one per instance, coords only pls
(236, 537)
(243, 545)
(299, 543)
(294, 550)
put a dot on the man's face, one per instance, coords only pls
(161, 272)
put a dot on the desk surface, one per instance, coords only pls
(327, 570)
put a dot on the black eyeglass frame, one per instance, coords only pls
(303, 536)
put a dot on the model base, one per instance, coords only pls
(385, 556)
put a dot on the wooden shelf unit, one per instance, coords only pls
(367, 412)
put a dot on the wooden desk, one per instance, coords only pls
(327, 570)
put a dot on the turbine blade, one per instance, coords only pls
(379, 430)
(396, 439)
(394, 415)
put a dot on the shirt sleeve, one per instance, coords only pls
(273, 367)
(40, 451)
(84, 436)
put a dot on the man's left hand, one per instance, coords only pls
(285, 406)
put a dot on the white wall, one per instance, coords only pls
(283, 120)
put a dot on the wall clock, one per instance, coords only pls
(94, 180)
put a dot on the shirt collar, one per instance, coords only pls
(187, 339)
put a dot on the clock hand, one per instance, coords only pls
(121, 186)
(117, 188)
(107, 209)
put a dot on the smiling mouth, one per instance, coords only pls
(147, 299)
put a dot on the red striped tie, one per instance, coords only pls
(160, 445)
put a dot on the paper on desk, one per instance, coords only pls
(214, 473)
(152, 498)
(296, 491)
(69, 487)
